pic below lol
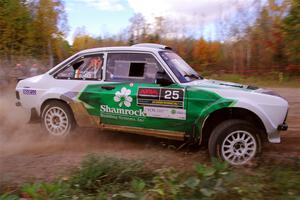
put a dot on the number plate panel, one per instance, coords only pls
(161, 97)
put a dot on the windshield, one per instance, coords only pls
(180, 68)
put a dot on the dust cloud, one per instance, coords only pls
(14, 132)
(19, 137)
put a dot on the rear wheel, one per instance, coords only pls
(57, 119)
(235, 141)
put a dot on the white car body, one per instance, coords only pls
(270, 108)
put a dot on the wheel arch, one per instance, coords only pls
(223, 114)
(45, 102)
(53, 94)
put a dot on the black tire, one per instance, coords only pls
(62, 115)
(231, 141)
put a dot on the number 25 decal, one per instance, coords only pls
(169, 94)
(172, 94)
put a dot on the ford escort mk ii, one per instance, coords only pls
(148, 89)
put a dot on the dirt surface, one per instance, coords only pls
(27, 155)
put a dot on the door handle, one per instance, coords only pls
(108, 87)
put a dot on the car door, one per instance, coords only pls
(130, 95)
(72, 79)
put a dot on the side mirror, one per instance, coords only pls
(163, 79)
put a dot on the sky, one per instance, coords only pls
(109, 17)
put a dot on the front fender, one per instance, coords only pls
(270, 120)
(53, 93)
(217, 105)
(269, 123)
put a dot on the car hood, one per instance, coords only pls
(216, 84)
(210, 83)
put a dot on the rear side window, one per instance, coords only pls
(131, 67)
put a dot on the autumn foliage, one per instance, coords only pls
(265, 40)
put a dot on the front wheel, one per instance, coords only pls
(57, 119)
(234, 141)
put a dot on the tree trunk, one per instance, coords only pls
(50, 54)
(234, 59)
(248, 54)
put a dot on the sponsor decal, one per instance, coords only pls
(122, 97)
(122, 111)
(155, 102)
(162, 97)
(29, 92)
(150, 93)
(122, 114)
(160, 112)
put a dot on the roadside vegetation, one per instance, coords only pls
(112, 178)
(275, 79)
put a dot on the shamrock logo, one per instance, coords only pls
(123, 97)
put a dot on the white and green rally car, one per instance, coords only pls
(148, 89)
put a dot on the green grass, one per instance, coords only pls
(269, 80)
(111, 178)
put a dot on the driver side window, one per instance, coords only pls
(132, 67)
(85, 68)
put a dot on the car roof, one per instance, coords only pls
(137, 47)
